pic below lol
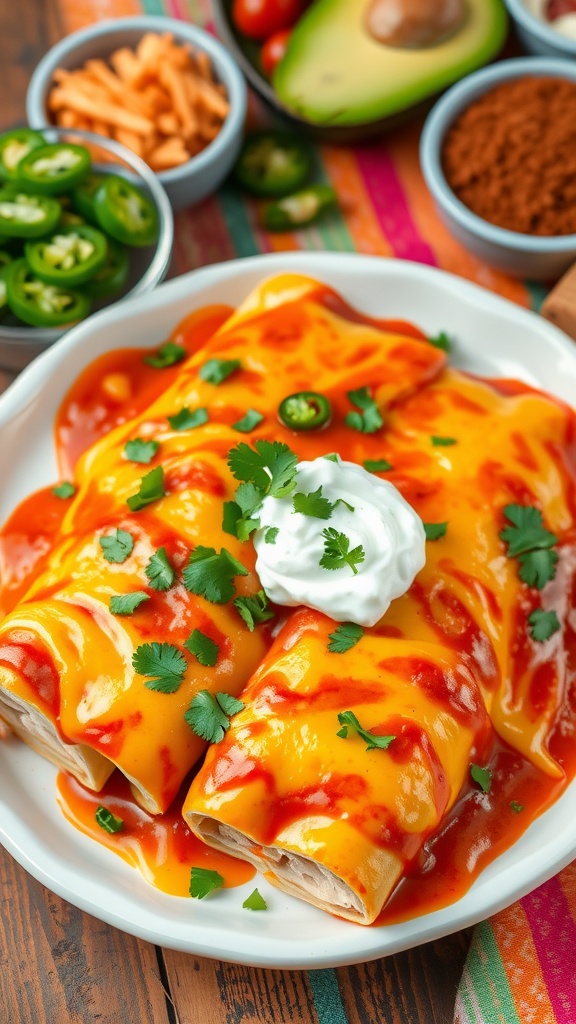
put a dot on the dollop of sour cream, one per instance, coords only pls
(388, 529)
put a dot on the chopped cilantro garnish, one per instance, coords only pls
(332, 457)
(369, 420)
(208, 715)
(163, 663)
(348, 720)
(249, 421)
(255, 902)
(337, 552)
(202, 647)
(527, 531)
(159, 571)
(108, 821)
(204, 881)
(434, 531)
(313, 504)
(441, 340)
(530, 542)
(345, 636)
(377, 465)
(151, 489)
(211, 575)
(482, 777)
(269, 465)
(65, 490)
(516, 807)
(231, 514)
(126, 604)
(442, 442)
(167, 355)
(215, 371)
(271, 534)
(116, 546)
(188, 419)
(543, 625)
(140, 450)
(254, 609)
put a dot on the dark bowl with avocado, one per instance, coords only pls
(339, 84)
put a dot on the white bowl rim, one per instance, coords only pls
(537, 26)
(442, 116)
(224, 64)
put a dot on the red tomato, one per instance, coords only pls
(557, 8)
(259, 19)
(273, 50)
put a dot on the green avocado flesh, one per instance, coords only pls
(335, 73)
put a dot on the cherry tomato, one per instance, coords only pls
(273, 50)
(259, 19)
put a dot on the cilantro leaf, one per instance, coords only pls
(369, 420)
(163, 663)
(140, 450)
(377, 465)
(254, 609)
(230, 705)
(108, 821)
(442, 442)
(441, 340)
(232, 513)
(248, 498)
(204, 881)
(211, 575)
(167, 355)
(434, 531)
(255, 902)
(337, 552)
(332, 457)
(345, 636)
(527, 531)
(202, 647)
(516, 807)
(116, 546)
(65, 490)
(207, 715)
(188, 419)
(271, 534)
(249, 421)
(215, 371)
(125, 604)
(151, 489)
(543, 625)
(482, 776)
(159, 572)
(537, 567)
(270, 466)
(348, 720)
(313, 504)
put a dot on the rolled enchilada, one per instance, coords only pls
(67, 683)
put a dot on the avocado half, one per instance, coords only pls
(335, 73)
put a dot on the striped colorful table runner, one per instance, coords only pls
(521, 968)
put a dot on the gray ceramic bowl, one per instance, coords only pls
(203, 173)
(527, 256)
(536, 35)
(20, 344)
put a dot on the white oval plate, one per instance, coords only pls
(493, 338)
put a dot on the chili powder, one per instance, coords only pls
(511, 156)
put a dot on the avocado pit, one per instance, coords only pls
(413, 24)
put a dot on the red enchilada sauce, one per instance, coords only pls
(480, 826)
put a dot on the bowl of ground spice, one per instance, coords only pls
(498, 153)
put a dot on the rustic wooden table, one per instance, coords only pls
(59, 964)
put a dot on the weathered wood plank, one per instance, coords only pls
(28, 28)
(212, 992)
(60, 965)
